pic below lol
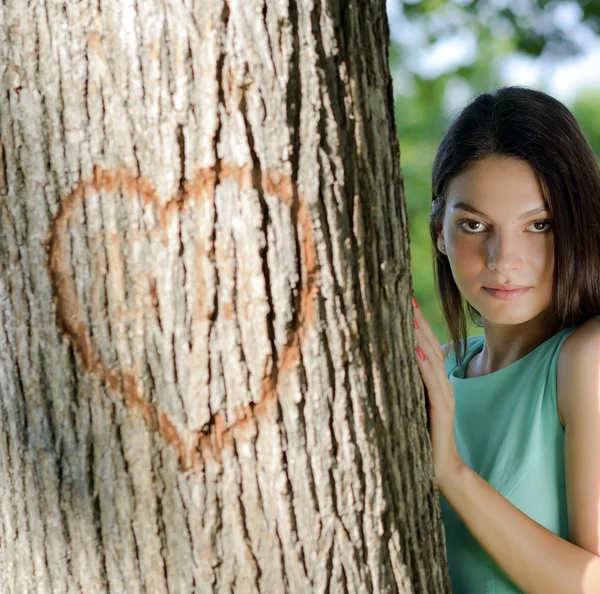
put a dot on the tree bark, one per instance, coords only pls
(206, 340)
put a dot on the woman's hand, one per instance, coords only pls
(440, 400)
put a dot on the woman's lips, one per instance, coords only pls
(506, 295)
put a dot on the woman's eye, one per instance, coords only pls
(541, 226)
(471, 226)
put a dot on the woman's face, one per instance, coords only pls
(499, 240)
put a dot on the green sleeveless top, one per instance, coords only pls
(507, 430)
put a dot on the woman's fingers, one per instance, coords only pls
(421, 323)
(426, 338)
(431, 362)
(428, 345)
(427, 374)
(429, 350)
(439, 394)
(431, 369)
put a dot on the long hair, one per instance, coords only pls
(534, 127)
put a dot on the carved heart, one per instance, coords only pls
(130, 272)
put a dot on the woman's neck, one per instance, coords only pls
(504, 344)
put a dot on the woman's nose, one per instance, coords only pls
(504, 252)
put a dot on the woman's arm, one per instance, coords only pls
(533, 557)
(579, 408)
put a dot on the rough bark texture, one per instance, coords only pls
(206, 341)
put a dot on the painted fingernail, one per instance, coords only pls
(417, 324)
(415, 302)
(421, 354)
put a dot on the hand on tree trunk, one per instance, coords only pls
(440, 401)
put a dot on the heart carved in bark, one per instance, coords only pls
(132, 271)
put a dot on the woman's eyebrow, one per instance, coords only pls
(466, 206)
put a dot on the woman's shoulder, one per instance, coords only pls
(578, 364)
(583, 342)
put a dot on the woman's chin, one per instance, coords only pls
(505, 312)
(509, 314)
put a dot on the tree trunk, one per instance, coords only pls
(206, 338)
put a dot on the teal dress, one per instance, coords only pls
(507, 430)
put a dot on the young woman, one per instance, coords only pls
(515, 414)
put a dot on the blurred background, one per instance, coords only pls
(444, 52)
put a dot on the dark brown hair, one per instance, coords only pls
(534, 127)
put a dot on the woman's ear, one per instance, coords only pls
(441, 242)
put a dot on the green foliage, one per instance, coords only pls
(421, 122)
(535, 27)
